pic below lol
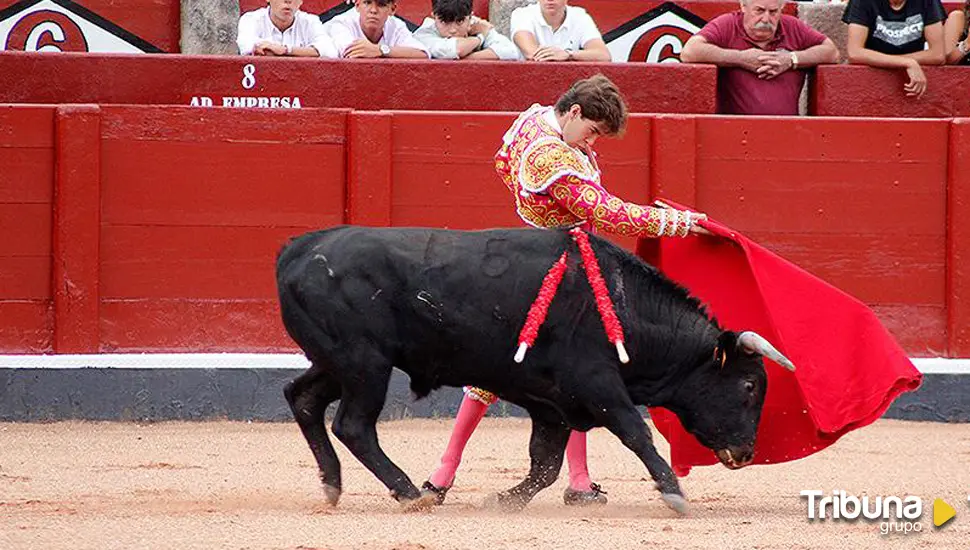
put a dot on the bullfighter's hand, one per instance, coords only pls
(694, 218)
(362, 49)
(695, 227)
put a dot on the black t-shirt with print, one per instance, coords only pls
(894, 32)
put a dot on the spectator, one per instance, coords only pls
(454, 33)
(894, 34)
(955, 35)
(282, 29)
(552, 31)
(369, 31)
(760, 54)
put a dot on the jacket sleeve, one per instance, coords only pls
(610, 214)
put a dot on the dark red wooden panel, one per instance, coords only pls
(25, 326)
(191, 262)
(389, 83)
(958, 240)
(157, 325)
(252, 169)
(77, 221)
(25, 230)
(921, 330)
(856, 90)
(25, 277)
(26, 126)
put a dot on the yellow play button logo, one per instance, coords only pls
(942, 512)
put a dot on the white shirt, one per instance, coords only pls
(306, 30)
(447, 48)
(344, 29)
(574, 33)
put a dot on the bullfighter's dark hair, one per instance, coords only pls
(451, 11)
(600, 101)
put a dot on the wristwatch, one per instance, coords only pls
(794, 61)
(481, 38)
(385, 50)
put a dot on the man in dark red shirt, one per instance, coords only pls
(760, 53)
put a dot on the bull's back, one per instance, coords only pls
(411, 284)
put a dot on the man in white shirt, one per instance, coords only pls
(454, 33)
(552, 31)
(369, 31)
(282, 29)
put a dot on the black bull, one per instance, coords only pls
(446, 307)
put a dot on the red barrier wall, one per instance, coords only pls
(359, 84)
(165, 240)
(853, 90)
(26, 197)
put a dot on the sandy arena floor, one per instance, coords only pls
(236, 485)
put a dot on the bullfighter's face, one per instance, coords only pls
(578, 131)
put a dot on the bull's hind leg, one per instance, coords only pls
(308, 396)
(546, 447)
(362, 399)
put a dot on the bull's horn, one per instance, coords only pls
(752, 342)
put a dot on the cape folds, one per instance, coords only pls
(849, 369)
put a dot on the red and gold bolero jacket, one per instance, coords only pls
(556, 185)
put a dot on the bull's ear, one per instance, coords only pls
(726, 348)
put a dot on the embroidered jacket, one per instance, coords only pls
(556, 185)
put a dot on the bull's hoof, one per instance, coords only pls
(421, 504)
(676, 503)
(331, 493)
(503, 502)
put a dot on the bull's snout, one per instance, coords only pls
(735, 457)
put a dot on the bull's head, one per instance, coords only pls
(720, 402)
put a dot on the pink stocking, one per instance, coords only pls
(576, 457)
(470, 413)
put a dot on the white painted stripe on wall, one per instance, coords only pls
(934, 365)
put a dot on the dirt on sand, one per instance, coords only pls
(77, 485)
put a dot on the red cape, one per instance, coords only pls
(848, 368)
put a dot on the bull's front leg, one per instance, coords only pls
(627, 424)
(610, 404)
(546, 448)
